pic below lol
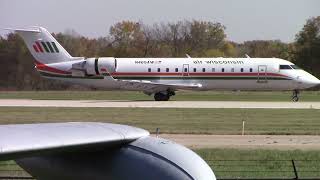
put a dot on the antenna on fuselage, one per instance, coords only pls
(188, 56)
(247, 56)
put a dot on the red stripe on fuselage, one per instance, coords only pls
(145, 74)
(192, 74)
(44, 67)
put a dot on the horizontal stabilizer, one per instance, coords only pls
(19, 141)
(36, 30)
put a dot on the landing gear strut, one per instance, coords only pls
(295, 95)
(163, 96)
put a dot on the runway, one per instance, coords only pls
(193, 141)
(154, 104)
(281, 142)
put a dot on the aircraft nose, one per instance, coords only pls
(313, 81)
(309, 80)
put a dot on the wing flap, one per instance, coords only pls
(149, 86)
(18, 141)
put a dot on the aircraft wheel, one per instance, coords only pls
(161, 97)
(171, 93)
(295, 96)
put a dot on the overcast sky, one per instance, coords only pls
(244, 19)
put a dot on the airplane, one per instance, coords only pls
(162, 77)
(100, 151)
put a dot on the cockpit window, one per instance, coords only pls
(285, 67)
(295, 67)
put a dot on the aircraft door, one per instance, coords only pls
(262, 74)
(185, 70)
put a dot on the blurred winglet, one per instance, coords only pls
(35, 29)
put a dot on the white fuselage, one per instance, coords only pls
(163, 76)
(210, 73)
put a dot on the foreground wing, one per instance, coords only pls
(18, 141)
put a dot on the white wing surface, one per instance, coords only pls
(17, 141)
(151, 87)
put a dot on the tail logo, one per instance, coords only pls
(45, 47)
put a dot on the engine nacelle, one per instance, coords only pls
(95, 66)
(147, 158)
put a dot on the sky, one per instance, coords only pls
(244, 19)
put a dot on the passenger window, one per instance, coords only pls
(167, 70)
(213, 70)
(194, 69)
(241, 69)
(203, 69)
(185, 69)
(232, 69)
(176, 69)
(285, 67)
(149, 69)
(222, 70)
(250, 69)
(158, 69)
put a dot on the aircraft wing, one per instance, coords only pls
(18, 141)
(151, 87)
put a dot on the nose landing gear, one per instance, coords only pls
(295, 95)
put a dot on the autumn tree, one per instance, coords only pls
(265, 49)
(307, 46)
(128, 39)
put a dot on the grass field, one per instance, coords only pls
(261, 163)
(10, 168)
(179, 120)
(234, 163)
(181, 95)
(225, 162)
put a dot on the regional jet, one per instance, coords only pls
(162, 77)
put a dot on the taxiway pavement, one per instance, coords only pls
(154, 104)
(281, 142)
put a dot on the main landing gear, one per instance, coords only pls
(164, 96)
(295, 95)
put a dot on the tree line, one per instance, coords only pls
(135, 39)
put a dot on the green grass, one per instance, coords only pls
(180, 96)
(261, 163)
(178, 120)
(10, 168)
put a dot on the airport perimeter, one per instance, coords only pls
(281, 139)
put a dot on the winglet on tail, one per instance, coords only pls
(42, 45)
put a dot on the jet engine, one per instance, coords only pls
(95, 67)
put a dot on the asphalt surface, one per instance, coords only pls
(281, 142)
(154, 104)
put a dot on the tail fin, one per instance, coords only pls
(43, 46)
